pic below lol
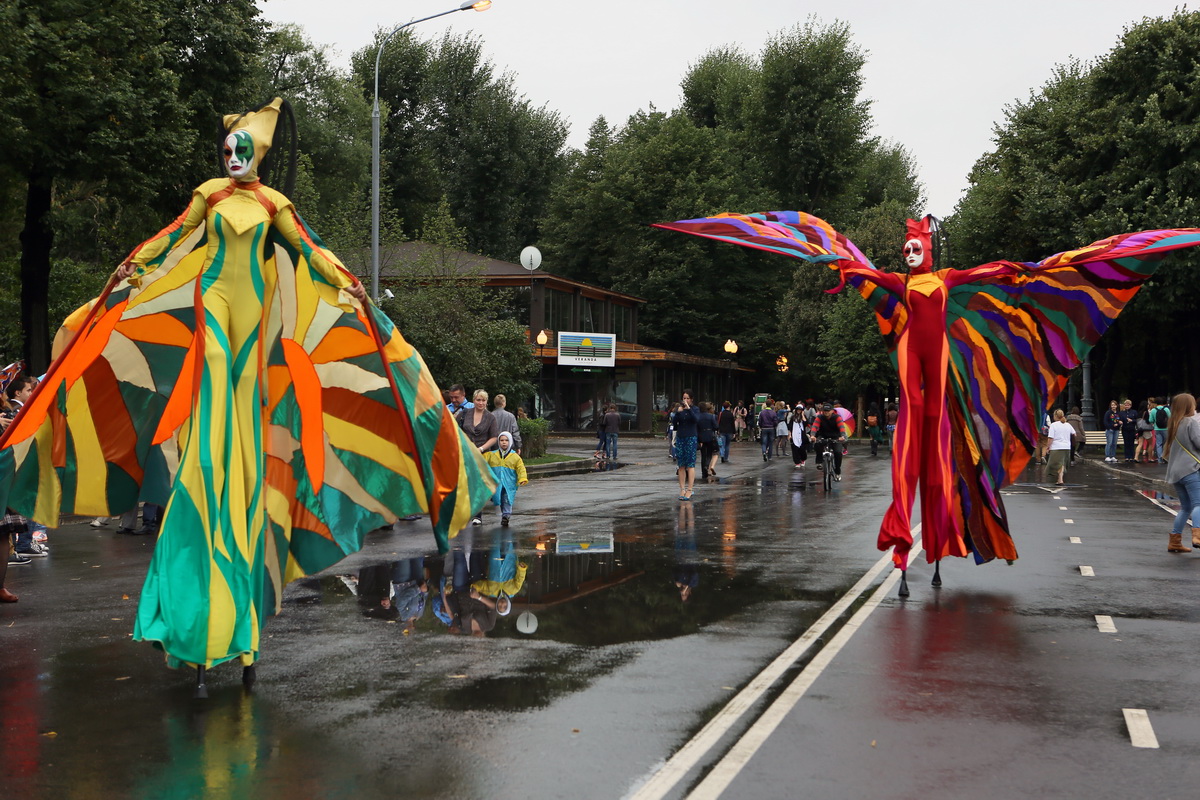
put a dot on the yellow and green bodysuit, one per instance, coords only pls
(234, 380)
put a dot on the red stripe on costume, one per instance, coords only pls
(111, 419)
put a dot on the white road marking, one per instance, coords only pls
(1104, 624)
(1076, 540)
(1069, 521)
(1160, 504)
(1087, 572)
(662, 781)
(1062, 508)
(1141, 732)
(719, 778)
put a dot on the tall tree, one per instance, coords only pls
(1103, 150)
(100, 100)
(456, 129)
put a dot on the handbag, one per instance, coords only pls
(1144, 425)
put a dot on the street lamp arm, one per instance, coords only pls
(478, 5)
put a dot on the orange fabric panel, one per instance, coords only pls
(308, 397)
(156, 329)
(340, 344)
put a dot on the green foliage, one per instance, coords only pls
(456, 130)
(853, 358)
(1102, 150)
(333, 122)
(442, 309)
(533, 437)
(786, 130)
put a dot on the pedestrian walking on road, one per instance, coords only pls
(767, 420)
(611, 427)
(726, 427)
(1182, 451)
(706, 438)
(1129, 431)
(509, 470)
(739, 421)
(686, 417)
(1075, 420)
(1161, 417)
(1061, 436)
(1112, 431)
(1145, 440)
(799, 437)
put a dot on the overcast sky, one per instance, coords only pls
(939, 72)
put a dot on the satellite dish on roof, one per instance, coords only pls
(531, 258)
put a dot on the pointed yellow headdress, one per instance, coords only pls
(261, 127)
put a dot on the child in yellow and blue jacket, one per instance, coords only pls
(509, 470)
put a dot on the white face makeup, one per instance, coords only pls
(239, 154)
(914, 253)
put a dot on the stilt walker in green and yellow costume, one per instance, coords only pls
(235, 372)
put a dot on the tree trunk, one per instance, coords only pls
(36, 239)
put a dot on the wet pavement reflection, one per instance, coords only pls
(590, 583)
(611, 584)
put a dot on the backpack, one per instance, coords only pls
(1162, 417)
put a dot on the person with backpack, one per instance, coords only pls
(1161, 418)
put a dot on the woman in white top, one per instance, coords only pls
(1061, 435)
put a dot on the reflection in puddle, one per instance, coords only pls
(619, 581)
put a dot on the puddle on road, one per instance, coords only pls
(614, 582)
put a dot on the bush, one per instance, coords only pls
(533, 437)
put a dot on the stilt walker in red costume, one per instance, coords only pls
(981, 354)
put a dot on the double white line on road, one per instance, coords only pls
(659, 784)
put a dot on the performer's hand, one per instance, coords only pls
(125, 270)
(358, 292)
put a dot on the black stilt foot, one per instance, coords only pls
(904, 583)
(937, 573)
(201, 689)
(249, 677)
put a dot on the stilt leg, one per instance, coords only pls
(937, 573)
(249, 677)
(201, 689)
(904, 583)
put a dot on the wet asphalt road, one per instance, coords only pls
(993, 686)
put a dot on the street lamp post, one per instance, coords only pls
(542, 338)
(478, 5)
(731, 349)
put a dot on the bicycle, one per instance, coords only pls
(824, 450)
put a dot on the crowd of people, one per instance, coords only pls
(703, 432)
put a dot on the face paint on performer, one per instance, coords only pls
(239, 156)
(918, 250)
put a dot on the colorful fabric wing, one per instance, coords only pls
(801, 235)
(355, 436)
(8, 373)
(1016, 331)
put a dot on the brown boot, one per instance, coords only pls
(1176, 544)
(1195, 537)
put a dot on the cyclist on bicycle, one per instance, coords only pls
(828, 426)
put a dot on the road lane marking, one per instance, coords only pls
(1069, 521)
(1141, 732)
(1062, 508)
(1076, 540)
(1087, 572)
(721, 775)
(1161, 504)
(1104, 624)
(676, 768)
